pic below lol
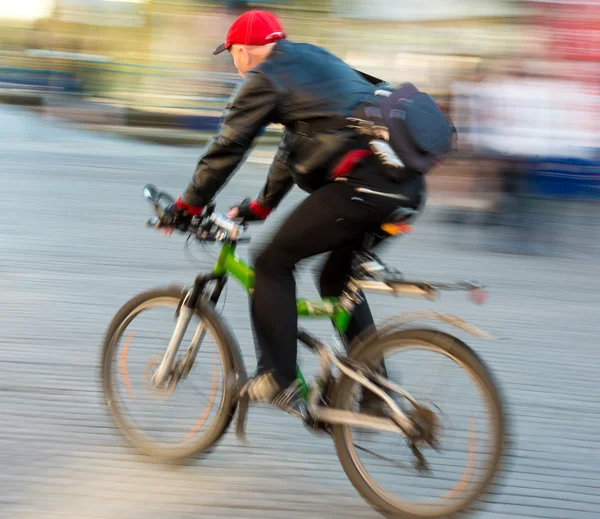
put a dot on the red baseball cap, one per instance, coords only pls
(254, 27)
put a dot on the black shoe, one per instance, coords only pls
(261, 388)
(264, 388)
(290, 401)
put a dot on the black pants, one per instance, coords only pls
(333, 218)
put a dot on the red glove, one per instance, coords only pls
(192, 210)
(251, 210)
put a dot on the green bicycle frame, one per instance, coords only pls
(229, 263)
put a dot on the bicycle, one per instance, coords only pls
(329, 400)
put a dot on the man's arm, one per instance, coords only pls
(278, 184)
(279, 181)
(252, 107)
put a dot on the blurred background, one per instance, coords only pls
(521, 80)
(99, 97)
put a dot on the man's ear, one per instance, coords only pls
(246, 55)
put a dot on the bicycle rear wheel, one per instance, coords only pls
(181, 421)
(469, 429)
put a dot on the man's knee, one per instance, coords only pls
(329, 283)
(333, 275)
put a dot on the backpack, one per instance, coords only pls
(405, 127)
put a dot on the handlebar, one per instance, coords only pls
(210, 227)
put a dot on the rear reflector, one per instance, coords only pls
(479, 296)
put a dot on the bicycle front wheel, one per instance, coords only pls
(464, 414)
(184, 419)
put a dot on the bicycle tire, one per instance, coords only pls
(370, 353)
(232, 364)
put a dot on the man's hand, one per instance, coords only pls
(178, 216)
(249, 211)
(233, 213)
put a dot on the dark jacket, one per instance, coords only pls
(296, 82)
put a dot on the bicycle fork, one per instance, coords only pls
(163, 375)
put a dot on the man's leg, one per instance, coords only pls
(332, 280)
(334, 276)
(328, 219)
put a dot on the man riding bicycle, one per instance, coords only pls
(303, 87)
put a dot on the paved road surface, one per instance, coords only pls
(73, 248)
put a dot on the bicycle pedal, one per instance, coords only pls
(316, 426)
(422, 467)
(420, 464)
